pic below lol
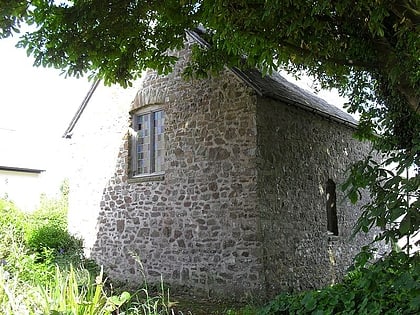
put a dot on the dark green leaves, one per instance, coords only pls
(116, 40)
(353, 46)
(12, 14)
(389, 286)
(393, 181)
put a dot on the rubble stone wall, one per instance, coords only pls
(298, 152)
(241, 206)
(196, 225)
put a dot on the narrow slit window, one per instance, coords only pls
(332, 222)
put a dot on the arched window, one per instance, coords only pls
(332, 222)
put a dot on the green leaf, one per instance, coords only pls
(309, 301)
(405, 225)
(121, 299)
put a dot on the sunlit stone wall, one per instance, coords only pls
(241, 206)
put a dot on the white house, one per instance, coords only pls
(21, 169)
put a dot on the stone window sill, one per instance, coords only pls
(155, 177)
(332, 237)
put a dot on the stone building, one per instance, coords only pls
(226, 186)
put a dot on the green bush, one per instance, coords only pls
(389, 286)
(19, 260)
(50, 213)
(51, 237)
(46, 231)
(10, 215)
(11, 234)
(32, 244)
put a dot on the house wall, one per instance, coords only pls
(23, 188)
(197, 226)
(298, 152)
(94, 148)
(23, 165)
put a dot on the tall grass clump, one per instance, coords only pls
(147, 301)
(14, 294)
(66, 294)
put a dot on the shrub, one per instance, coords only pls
(51, 213)
(10, 215)
(51, 237)
(46, 231)
(21, 262)
(54, 208)
(389, 286)
(31, 244)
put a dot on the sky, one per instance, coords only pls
(36, 106)
(41, 102)
(35, 101)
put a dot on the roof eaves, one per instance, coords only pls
(197, 37)
(69, 131)
(319, 112)
(21, 169)
(240, 74)
(247, 78)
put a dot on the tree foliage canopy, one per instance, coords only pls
(369, 50)
(333, 40)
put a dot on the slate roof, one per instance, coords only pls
(276, 87)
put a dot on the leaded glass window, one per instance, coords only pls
(149, 143)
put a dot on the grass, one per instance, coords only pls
(43, 271)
